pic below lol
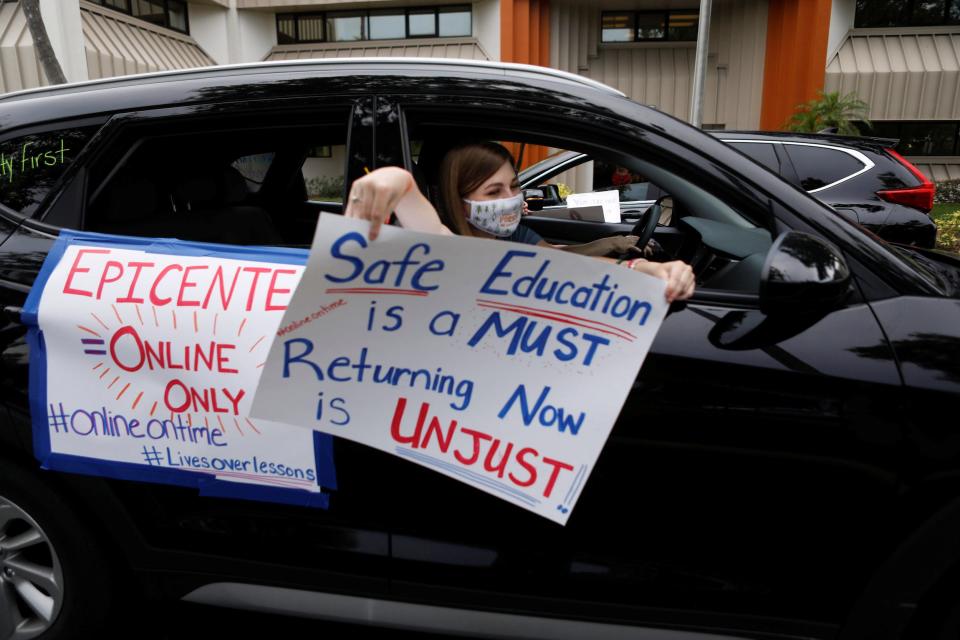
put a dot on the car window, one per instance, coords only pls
(818, 167)
(253, 167)
(322, 173)
(760, 152)
(263, 185)
(30, 165)
(576, 173)
(631, 185)
(704, 229)
(574, 176)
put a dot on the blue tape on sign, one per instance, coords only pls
(323, 454)
(206, 483)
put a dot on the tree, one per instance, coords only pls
(45, 53)
(830, 110)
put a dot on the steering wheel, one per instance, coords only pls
(647, 225)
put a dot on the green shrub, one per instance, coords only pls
(325, 188)
(948, 191)
(948, 230)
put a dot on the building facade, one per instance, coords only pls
(765, 56)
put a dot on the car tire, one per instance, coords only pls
(54, 580)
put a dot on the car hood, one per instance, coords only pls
(940, 267)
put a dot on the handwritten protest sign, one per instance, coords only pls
(31, 157)
(144, 358)
(499, 364)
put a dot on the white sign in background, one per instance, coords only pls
(609, 200)
(153, 358)
(502, 365)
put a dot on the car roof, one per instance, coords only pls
(508, 69)
(285, 79)
(856, 142)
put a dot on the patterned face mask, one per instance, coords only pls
(498, 217)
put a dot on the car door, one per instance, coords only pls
(138, 176)
(747, 477)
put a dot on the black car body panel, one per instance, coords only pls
(764, 469)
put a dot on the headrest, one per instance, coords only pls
(196, 190)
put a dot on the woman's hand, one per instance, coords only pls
(392, 189)
(376, 195)
(678, 274)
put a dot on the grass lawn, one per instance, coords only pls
(947, 217)
(942, 210)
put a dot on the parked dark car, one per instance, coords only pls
(863, 179)
(786, 466)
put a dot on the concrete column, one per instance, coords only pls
(233, 33)
(486, 26)
(842, 15)
(208, 26)
(65, 30)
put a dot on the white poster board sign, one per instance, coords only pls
(609, 200)
(145, 355)
(499, 364)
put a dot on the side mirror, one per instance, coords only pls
(802, 274)
(547, 195)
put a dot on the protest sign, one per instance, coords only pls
(144, 355)
(498, 364)
(609, 200)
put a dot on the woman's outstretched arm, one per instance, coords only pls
(392, 189)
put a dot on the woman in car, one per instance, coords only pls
(479, 197)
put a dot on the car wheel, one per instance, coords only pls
(53, 582)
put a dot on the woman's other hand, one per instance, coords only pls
(678, 274)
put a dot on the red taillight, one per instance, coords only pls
(919, 197)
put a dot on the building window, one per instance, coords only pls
(454, 21)
(344, 27)
(171, 14)
(918, 137)
(907, 13)
(387, 25)
(422, 23)
(382, 24)
(286, 29)
(650, 26)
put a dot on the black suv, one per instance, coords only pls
(786, 466)
(863, 179)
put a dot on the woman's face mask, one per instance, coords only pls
(498, 217)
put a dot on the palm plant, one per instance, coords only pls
(830, 111)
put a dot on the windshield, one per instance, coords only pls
(547, 163)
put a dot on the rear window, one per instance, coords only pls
(253, 168)
(821, 166)
(30, 165)
(760, 152)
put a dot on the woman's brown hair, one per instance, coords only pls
(464, 169)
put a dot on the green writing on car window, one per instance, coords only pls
(31, 157)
